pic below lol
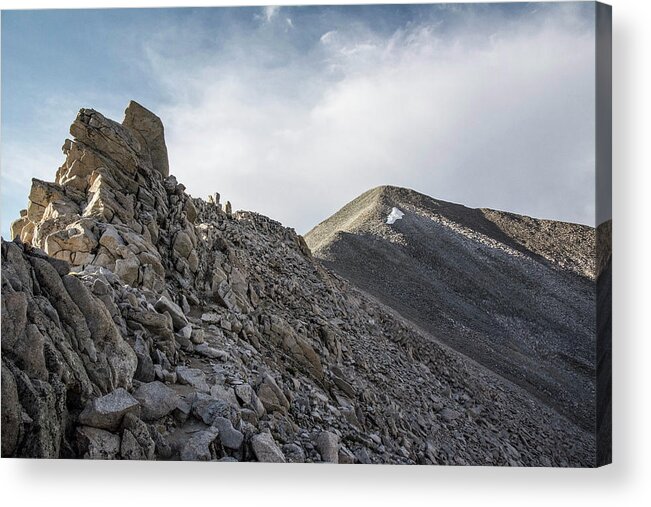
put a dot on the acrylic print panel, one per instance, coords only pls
(343, 234)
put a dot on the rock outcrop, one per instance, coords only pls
(141, 323)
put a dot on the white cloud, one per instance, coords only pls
(505, 123)
(270, 11)
(327, 37)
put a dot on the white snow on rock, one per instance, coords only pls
(395, 214)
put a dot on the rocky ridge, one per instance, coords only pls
(141, 323)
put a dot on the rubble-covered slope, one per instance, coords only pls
(140, 323)
(516, 294)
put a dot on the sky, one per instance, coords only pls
(294, 111)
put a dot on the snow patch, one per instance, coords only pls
(395, 214)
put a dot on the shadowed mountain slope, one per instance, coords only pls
(514, 293)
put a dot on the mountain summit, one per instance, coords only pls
(514, 293)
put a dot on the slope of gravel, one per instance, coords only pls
(514, 293)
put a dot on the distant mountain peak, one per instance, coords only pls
(513, 292)
(570, 246)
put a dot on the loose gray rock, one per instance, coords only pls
(266, 450)
(294, 453)
(207, 409)
(192, 377)
(228, 436)
(211, 352)
(448, 414)
(225, 393)
(248, 397)
(197, 448)
(327, 443)
(178, 317)
(198, 336)
(139, 443)
(272, 396)
(156, 400)
(186, 332)
(107, 411)
(95, 443)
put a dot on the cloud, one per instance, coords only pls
(474, 106)
(500, 119)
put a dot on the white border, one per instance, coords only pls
(626, 482)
